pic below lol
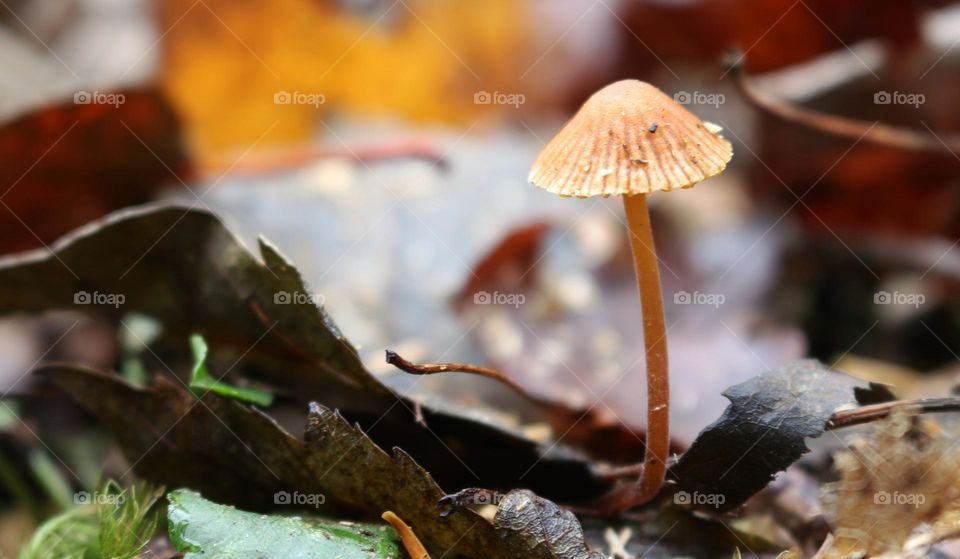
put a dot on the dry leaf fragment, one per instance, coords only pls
(763, 431)
(898, 489)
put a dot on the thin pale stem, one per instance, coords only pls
(647, 270)
(873, 412)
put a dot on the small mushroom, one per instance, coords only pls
(597, 154)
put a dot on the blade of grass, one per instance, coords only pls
(201, 381)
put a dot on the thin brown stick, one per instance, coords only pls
(646, 267)
(873, 412)
(874, 132)
(433, 368)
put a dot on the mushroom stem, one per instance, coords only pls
(647, 270)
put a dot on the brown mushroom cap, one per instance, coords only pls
(630, 138)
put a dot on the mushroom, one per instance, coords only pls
(630, 139)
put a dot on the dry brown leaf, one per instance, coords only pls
(894, 480)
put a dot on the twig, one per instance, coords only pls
(433, 368)
(877, 133)
(873, 412)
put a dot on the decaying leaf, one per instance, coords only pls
(174, 438)
(204, 529)
(184, 268)
(898, 490)
(540, 527)
(763, 431)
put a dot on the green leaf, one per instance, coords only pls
(202, 381)
(204, 529)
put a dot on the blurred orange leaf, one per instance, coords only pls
(224, 65)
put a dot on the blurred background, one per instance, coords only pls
(384, 145)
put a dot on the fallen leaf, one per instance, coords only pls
(182, 267)
(897, 491)
(172, 437)
(540, 528)
(762, 432)
(139, 149)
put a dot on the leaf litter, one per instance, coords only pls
(176, 436)
(249, 450)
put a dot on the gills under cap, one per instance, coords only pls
(630, 138)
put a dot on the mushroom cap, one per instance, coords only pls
(630, 138)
